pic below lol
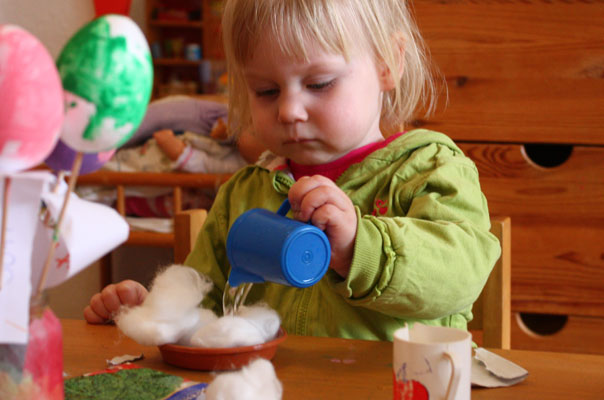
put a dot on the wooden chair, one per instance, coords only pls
(186, 227)
(492, 315)
(492, 311)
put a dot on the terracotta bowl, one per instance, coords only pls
(205, 359)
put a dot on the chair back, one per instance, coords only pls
(187, 225)
(492, 310)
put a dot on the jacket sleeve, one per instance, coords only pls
(431, 255)
(208, 256)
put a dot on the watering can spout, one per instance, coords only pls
(239, 276)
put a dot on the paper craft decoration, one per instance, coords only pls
(89, 231)
(107, 76)
(63, 156)
(31, 100)
(24, 212)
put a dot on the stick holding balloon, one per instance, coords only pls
(31, 110)
(107, 77)
(57, 228)
(4, 219)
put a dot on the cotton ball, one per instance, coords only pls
(206, 316)
(256, 381)
(265, 319)
(252, 325)
(169, 311)
(139, 324)
(227, 331)
(176, 289)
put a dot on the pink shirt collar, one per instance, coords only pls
(334, 169)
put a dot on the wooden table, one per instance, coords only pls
(326, 368)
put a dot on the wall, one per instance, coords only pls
(53, 22)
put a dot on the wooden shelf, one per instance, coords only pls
(153, 239)
(171, 62)
(170, 34)
(176, 24)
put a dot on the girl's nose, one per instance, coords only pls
(291, 109)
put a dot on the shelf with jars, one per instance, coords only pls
(184, 36)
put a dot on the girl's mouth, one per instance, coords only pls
(297, 141)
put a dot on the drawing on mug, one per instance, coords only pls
(405, 389)
(410, 390)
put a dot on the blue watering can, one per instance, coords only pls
(266, 246)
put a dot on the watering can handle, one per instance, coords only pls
(284, 208)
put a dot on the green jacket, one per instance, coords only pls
(423, 249)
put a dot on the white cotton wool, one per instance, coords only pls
(252, 325)
(256, 381)
(177, 289)
(138, 323)
(265, 319)
(170, 310)
(205, 317)
(227, 331)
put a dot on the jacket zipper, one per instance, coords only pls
(302, 319)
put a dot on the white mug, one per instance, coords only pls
(431, 362)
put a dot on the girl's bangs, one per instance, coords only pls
(295, 30)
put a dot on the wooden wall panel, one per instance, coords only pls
(514, 184)
(520, 71)
(522, 111)
(578, 335)
(558, 225)
(532, 71)
(558, 266)
(515, 39)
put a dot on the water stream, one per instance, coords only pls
(234, 297)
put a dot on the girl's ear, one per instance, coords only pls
(387, 79)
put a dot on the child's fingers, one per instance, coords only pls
(92, 317)
(324, 196)
(110, 299)
(105, 304)
(299, 193)
(98, 308)
(316, 194)
(324, 215)
(131, 293)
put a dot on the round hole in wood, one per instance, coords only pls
(542, 324)
(548, 155)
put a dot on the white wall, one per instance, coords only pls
(53, 22)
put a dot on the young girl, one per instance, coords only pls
(317, 81)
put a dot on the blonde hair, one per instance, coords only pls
(335, 25)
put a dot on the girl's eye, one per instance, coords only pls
(267, 92)
(321, 85)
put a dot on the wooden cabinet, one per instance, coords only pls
(526, 102)
(184, 36)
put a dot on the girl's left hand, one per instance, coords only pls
(319, 200)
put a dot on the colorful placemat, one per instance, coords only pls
(130, 382)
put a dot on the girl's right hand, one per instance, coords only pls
(104, 305)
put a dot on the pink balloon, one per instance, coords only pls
(31, 100)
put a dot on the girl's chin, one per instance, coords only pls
(311, 160)
(304, 155)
